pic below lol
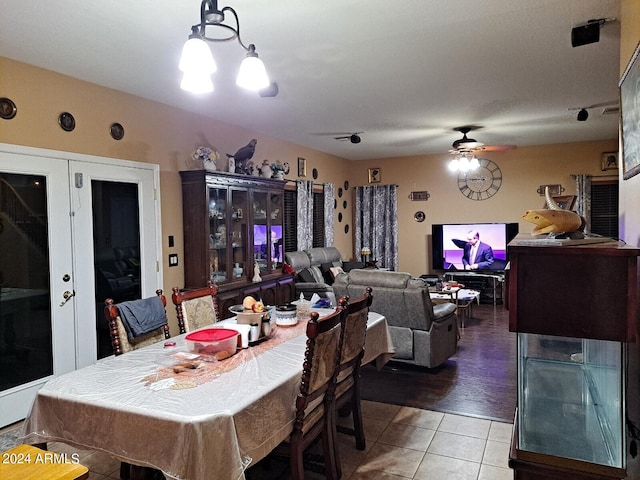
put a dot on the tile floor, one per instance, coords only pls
(402, 443)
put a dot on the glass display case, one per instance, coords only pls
(232, 223)
(574, 308)
(570, 398)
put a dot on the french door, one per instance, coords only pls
(74, 229)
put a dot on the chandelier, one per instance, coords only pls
(197, 63)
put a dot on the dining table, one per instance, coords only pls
(212, 421)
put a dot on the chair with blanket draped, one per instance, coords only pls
(196, 308)
(137, 323)
(348, 381)
(315, 403)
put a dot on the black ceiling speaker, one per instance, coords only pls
(583, 114)
(355, 138)
(586, 34)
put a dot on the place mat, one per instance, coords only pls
(191, 373)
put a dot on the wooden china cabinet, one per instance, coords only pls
(234, 224)
(574, 307)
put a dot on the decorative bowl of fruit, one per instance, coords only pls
(251, 310)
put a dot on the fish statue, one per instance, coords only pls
(553, 220)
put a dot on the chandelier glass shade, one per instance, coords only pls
(197, 63)
(464, 162)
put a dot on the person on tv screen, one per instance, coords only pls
(477, 255)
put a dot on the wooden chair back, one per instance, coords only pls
(315, 404)
(121, 344)
(196, 308)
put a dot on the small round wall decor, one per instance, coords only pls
(8, 109)
(419, 216)
(117, 131)
(66, 121)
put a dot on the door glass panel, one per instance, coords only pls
(239, 233)
(218, 234)
(275, 218)
(261, 235)
(116, 246)
(26, 350)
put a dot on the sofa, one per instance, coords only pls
(313, 270)
(423, 334)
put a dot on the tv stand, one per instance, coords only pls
(490, 284)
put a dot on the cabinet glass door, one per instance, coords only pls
(276, 214)
(218, 234)
(261, 235)
(239, 234)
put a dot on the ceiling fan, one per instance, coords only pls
(470, 145)
(353, 138)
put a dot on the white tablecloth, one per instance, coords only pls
(213, 430)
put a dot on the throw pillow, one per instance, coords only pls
(325, 268)
(306, 276)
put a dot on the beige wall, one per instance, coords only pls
(523, 170)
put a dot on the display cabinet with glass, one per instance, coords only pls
(232, 224)
(574, 309)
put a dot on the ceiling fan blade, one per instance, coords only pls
(499, 148)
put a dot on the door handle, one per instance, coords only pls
(67, 296)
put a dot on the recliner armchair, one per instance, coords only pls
(423, 334)
(312, 273)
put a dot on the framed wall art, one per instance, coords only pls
(302, 167)
(374, 175)
(609, 161)
(630, 113)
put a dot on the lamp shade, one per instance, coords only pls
(197, 57)
(197, 82)
(252, 75)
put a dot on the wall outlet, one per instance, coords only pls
(173, 259)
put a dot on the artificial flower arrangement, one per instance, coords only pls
(279, 169)
(207, 156)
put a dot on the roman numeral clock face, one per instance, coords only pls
(481, 183)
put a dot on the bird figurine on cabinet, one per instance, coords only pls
(555, 221)
(242, 157)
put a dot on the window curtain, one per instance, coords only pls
(305, 214)
(376, 223)
(329, 199)
(583, 199)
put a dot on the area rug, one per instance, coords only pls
(10, 439)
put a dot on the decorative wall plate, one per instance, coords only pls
(8, 109)
(117, 131)
(66, 121)
(419, 216)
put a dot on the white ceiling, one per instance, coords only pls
(405, 72)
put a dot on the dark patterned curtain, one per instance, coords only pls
(305, 214)
(329, 198)
(583, 199)
(376, 223)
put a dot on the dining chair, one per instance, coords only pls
(121, 344)
(196, 308)
(348, 380)
(315, 403)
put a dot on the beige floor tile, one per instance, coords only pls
(392, 460)
(496, 454)
(457, 446)
(446, 468)
(348, 452)
(489, 472)
(373, 476)
(418, 417)
(500, 432)
(469, 426)
(378, 410)
(407, 436)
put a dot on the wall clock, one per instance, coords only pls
(481, 183)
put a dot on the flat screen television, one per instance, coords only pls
(448, 240)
